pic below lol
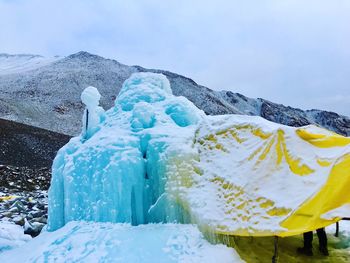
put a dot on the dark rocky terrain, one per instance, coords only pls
(26, 155)
(27, 146)
(297, 118)
(16, 178)
(24, 208)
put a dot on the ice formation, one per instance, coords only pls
(93, 114)
(155, 157)
(118, 175)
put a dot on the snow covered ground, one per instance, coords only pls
(11, 236)
(107, 242)
(96, 242)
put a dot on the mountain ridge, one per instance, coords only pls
(48, 96)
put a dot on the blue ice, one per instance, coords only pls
(117, 170)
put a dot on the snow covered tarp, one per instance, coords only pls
(155, 157)
(266, 179)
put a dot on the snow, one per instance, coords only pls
(106, 242)
(10, 64)
(11, 236)
(93, 114)
(241, 103)
(182, 242)
(90, 97)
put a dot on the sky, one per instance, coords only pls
(292, 52)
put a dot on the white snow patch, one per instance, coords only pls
(10, 64)
(106, 242)
(11, 236)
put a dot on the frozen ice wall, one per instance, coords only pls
(116, 170)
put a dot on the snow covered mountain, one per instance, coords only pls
(22, 62)
(45, 92)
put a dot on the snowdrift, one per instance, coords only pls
(106, 242)
(11, 236)
(156, 158)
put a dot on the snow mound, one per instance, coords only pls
(90, 97)
(11, 236)
(93, 114)
(155, 157)
(106, 242)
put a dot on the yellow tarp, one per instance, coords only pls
(6, 198)
(253, 177)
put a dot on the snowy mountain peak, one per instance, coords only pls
(49, 92)
(84, 55)
(12, 64)
(82, 59)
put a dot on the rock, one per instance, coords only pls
(14, 209)
(41, 219)
(33, 228)
(19, 205)
(29, 228)
(19, 220)
(29, 216)
(41, 206)
(7, 214)
(27, 205)
(38, 213)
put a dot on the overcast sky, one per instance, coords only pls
(292, 52)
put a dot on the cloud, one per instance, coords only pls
(291, 52)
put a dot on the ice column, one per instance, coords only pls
(93, 114)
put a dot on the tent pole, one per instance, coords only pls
(275, 255)
(87, 120)
(337, 229)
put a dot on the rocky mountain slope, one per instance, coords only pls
(46, 94)
(26, 146)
